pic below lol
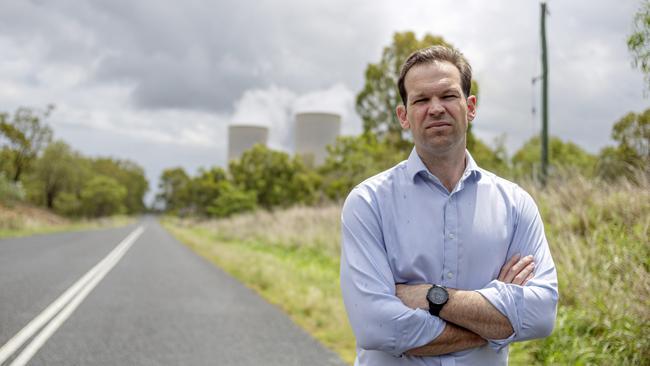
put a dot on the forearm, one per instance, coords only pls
(452, 339)
(467, 309)
(472, 311)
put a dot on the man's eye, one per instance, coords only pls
(450, 96)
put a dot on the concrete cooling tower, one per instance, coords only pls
(314, 131)
(243, 137)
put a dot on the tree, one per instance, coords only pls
(128, 174)
(377, 101)
(562, 155)
(68, 204)
(173, 189)
(204, 189)
(353, 159)
(10, 191)
(495, 160)
(25, 136)
(231, 200)
(6, 156)
(103, 196)
(58, 169)
(276, 179)
(639, 41)
(632, 132)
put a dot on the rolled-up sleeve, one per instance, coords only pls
(379, 319)
(531, 308)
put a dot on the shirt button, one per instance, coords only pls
(451, 236)
(450, 275)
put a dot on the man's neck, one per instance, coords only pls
(448, 167)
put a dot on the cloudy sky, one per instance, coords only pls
(158, 82)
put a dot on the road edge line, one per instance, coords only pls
(18, 340)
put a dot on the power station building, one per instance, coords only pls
(313, 132)
(243, 137)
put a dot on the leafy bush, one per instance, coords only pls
(352, 159)
(231, 200)
(10, 191)
(632, 132)
(277, 179)
(127, 173)
(67, 204)
(562, 156)
(103, 196)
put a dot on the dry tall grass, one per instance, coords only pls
(311, 227)
(20, 219)
(599, 237)
(18, 216)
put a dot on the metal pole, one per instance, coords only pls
(544, 137)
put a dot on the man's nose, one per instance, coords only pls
(436, 108)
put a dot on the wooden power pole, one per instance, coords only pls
(544, 137)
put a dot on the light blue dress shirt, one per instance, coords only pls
(404, 226)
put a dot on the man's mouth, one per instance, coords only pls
(438, 125)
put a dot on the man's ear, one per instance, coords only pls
(471, 107)
(401, 115)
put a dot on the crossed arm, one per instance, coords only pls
(471, 319)
(389, 318)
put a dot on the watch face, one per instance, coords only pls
(438, 295)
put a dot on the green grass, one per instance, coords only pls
(598, 233)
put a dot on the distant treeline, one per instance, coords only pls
(271, 179)
(47, 173)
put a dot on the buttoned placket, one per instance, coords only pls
(450, 243)
(451, 247)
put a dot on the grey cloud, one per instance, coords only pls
(204, 55)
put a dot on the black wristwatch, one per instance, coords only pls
(437, 297)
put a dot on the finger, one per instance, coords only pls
(530, 277)
(518, 267)
(521, 276)
(506, 267)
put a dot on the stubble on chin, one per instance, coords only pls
(441, 146)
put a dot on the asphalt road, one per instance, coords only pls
(160, 304)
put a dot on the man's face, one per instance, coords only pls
(436, 110)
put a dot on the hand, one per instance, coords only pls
(517, 270)
(413, 296)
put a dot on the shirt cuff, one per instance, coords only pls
(507, 299)
(498, 344)
(413, 337)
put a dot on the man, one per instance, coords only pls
(442, 262)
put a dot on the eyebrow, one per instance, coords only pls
(417, 95)
(450, 89)
(446, 89)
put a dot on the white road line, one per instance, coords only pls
(72, 297)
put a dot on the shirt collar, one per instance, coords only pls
(415, 165)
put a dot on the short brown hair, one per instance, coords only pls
(437, 54)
